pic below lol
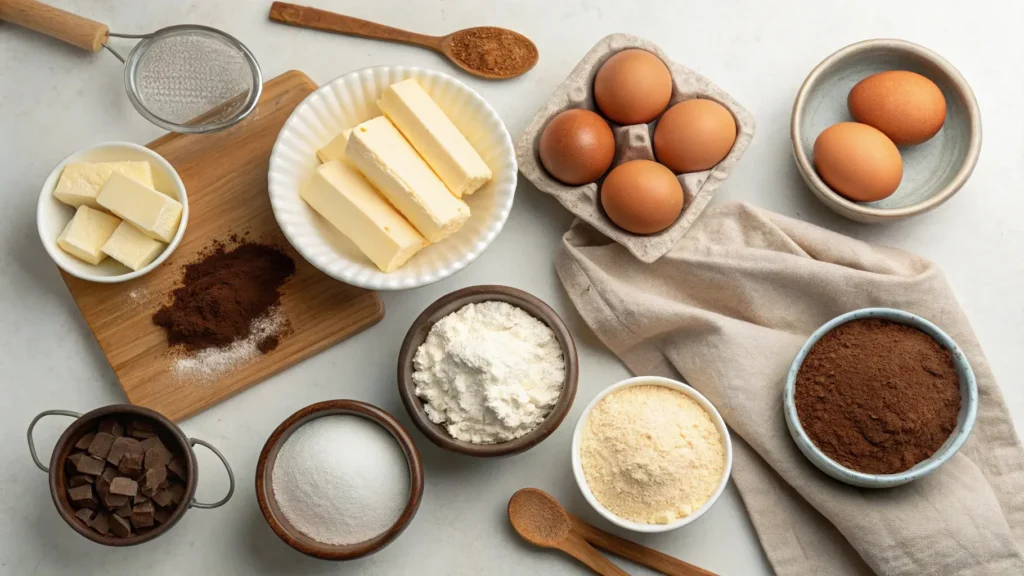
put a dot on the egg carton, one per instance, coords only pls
(631, 143)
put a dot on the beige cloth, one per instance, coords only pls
(727, 309)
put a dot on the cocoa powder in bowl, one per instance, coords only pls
(877, 396)
(223, 293)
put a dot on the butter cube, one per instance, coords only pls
(391, 164)
(81, 183)
(346, 200)
(335, 149)
(86, 233)
(129, 246)
(155, 214)
(434, 136)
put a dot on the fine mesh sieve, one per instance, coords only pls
(188, 78)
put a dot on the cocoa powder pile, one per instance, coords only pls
(223, 293)
(495, 51)
(877, 396)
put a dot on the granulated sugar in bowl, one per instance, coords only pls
(341, 479)
(651, 454)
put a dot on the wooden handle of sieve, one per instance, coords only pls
(55, 23)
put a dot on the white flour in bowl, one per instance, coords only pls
(489, 372)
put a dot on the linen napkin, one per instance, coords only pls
(727, 310)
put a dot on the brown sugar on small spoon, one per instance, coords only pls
(542, 521)
(487, 51)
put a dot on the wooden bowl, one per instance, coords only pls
(265, 487)
(171, 436)
(450, 303)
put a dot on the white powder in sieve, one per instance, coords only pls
(341, 479)
(205, 365)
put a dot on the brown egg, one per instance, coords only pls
(694, 135)
(906, 107)
(858, 161)
(642, 197)
(633, 87)
(577, 147)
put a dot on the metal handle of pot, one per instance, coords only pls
(231, 477)
(32, 427)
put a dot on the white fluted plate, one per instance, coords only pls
(349, 100)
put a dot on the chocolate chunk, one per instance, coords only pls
(101, 523)
(82, 497)
(141, 429)
(74, 459)
(103, 482)
(164, 497)
(120, 527)
(140, 498)
(79, 480)
(177, 467)
(85, 515)
(157, 457)
(177, 493)
(122, 446)
(154, 480)
(84, 441)
(124, 511)
(124, 486)
(162, 515)
(131, 464)
(100, 445)
(111, 426)
(114, 501)
(142, 515)
(90, 465)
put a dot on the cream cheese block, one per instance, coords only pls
(346, 200)
(81, 183)
(434, 136)
(378, 150)
(129, 246)
(85, 235)
(335, 149)
(156, 215)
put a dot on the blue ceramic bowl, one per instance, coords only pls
(965, 420)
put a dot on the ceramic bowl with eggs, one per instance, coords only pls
(885, 129)
(635, 144)
(53, 215)
(350, 101)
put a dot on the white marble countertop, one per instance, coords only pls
(55, 99)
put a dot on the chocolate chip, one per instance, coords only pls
(154, 480)
(101, 523)
(120, 527)
(90, 465)
(85, 515)
(114, 501)
(177, 467)
(124, 511)
(84, 441)
(164, 497)
(124, 486)
(122, 446)
(142, 515)
(157, 457)
(100, 445)
(131, 464)
(111, 426)
(79, 480)
(82, 497)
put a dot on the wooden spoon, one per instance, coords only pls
(316, 19)
(542, 521)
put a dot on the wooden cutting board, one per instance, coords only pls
(225, 176)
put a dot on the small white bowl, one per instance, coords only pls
(581, 480)
(52, 215)
(350, 100)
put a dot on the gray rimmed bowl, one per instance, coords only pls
(933, 171)
(965, 420)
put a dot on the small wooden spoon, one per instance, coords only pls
(316, 19)
(542, 521)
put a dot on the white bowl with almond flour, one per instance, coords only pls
(663, 522)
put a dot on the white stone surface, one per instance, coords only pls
(55, 99)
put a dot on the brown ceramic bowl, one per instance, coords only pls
(170, 435)
(265, 487)
(450, 303)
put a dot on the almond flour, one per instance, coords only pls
(651, 454)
